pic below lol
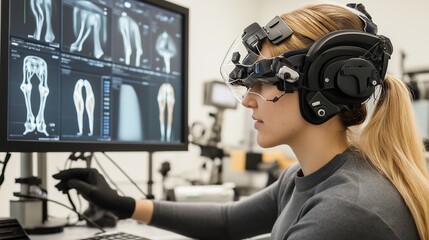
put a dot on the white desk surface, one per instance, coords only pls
(127, 226)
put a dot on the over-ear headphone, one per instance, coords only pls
(341, 69)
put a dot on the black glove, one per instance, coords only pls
(94, 188)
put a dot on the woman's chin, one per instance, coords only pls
(264, 143)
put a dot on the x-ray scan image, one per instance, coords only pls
(42, 11)
(35, 66)
(87, 19)
(131, 37)
(37, 20)
(166, 47)
(90, 25)
(84, 105)
(166, 101)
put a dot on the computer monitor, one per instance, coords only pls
(217, 94)
(94, 75)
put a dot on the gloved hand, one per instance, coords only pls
(94, 188)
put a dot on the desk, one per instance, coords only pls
(127, 226)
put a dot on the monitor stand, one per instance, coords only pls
(32, 213)
(150, 194)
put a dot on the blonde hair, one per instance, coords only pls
(390, 140)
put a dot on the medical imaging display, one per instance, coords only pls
(96, 71)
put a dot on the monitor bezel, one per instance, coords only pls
(8, 145)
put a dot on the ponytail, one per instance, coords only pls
(393, 145)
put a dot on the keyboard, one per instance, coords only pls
(116, 236)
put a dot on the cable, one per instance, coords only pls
(69, 162)
(61, 204)
(72, 204)
(108, 177)
(126, 175)
(274, 100)
(5, 162)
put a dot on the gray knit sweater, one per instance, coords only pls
(345, 199)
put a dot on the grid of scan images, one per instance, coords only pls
(95, 70)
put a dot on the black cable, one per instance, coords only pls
(69, 162)
(68, 193)
(65, 164)
(108, 177)
(61, 204)
(126, 175)
(5, 162)
(79, 198)
(72, 204)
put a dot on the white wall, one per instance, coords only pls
(213, 26)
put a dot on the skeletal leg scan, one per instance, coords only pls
(166, 98)
(78, 103)
(35, 66)
(80, 107)
(130, 33)
(87, 18)
(42, 11)
(166, 48)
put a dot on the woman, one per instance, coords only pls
(307, 84)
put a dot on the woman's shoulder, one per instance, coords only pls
(357, 189)
(344, 216)
(358, 181)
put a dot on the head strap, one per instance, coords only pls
(360, 11)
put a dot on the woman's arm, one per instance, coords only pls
(143, 210)
(252, 216)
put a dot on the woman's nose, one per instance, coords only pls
(249, 101)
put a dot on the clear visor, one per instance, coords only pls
(237, 68)
(241, 69)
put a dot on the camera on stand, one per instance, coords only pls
(218, 95)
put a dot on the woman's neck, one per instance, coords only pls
(319, 145)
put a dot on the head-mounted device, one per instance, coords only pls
(244, 65)
(340, 69)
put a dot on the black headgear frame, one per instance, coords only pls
(339, 70)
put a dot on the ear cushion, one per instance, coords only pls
(335, 76)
